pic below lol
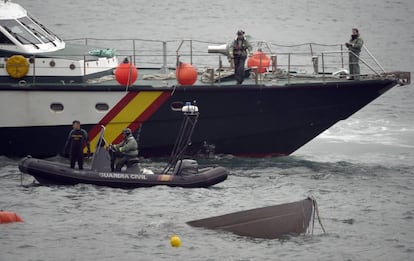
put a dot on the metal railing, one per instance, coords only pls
(307, 58)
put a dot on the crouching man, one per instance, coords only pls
(121, 153)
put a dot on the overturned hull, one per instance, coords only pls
(266, 222)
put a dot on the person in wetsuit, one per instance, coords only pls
(121, 153)
(77, 138)
(239, 49)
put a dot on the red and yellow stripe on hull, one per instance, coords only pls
(130, 112)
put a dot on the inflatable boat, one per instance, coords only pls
(55, 173)
(179, 172)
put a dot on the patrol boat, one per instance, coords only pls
(290, 97)
(179, 172)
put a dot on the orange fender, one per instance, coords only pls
(260, 60)
(186, 74)
(8, 217)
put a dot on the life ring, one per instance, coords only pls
(17, 66)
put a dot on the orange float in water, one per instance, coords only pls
(8, 217)
(260, 60)
(126, 73)
(186, 74)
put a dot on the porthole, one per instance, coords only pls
(56, 107)
(72, 66)
(101, 106)
(52, 63)
(177, 106)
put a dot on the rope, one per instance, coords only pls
(318, 215)
(315, 212)
(160, 76)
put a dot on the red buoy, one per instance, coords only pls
(8, 217)
(186, 74)
(260, 60)
(126, 73)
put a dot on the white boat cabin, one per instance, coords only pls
(30, 52)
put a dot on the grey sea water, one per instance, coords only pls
(361, 170)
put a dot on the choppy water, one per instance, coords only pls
(361, 170)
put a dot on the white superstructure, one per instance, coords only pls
(46, 54)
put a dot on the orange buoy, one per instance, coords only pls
(260, 60)
(186, 74)
(126, 73)
(8, 217)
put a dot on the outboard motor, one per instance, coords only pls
(186, 167)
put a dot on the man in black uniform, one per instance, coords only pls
(75, 142)
(239, 50)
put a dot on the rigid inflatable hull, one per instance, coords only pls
(53, 173)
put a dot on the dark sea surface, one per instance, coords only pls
(361, 170)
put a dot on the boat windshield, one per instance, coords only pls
(36, 29)
(4, 39)
(19, 32)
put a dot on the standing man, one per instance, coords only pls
(354, 45)
(239, 49)
(75, 142)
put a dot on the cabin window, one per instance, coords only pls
(19, 32)
(177, 106)
(4, 39)
(50, 33)
(36, 29)
(56, 107)
(101, 106)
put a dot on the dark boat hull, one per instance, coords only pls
(240, 120)
(267, 222)
(52, 173)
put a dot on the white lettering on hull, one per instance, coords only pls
(122, 176)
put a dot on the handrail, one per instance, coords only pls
(290, 57)
(375, 60)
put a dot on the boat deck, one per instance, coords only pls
(156, 68)
(158, 78)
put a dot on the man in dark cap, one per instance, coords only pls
(75, 142)
(125, 150)
(354, 46)
(239, 49)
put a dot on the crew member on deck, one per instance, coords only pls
(239, 49)
(354, 45)
(77, 138)
(123, 151)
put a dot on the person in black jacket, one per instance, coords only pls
(77, 138)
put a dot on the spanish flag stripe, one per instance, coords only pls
(131, 111)
(150, 108)
(147, 113)
(111, 114)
